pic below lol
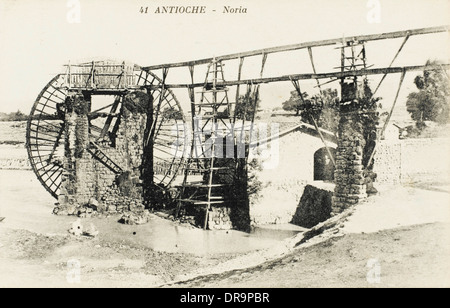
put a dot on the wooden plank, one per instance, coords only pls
(40, 146)
(46, 123)
(163, 145)
(100, 109)
(311, 59)
(39, 156)
(46, 105)
(158, 158)
(200, 201)
(47, 114)
(205, 185)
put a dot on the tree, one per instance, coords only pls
(246, 107)
(369, 118)
(431, 102)
(172, 114)
(295, 102)
(324, 109)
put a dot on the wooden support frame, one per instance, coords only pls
(329, 42)
(390, 65)
(402, 77)
(336, 75)
(241, 63)
(311, 58)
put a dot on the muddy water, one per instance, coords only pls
(26, 205)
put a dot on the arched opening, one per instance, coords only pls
(323, 165)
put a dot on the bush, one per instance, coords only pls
(13, 116)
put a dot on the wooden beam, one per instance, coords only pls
(336, 75)
(108, 121)
(311, 58)
(365, 38)
(390, 65)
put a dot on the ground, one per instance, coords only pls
(415, 256)
(404, 229)
(35, 245)
(409, 239)
(34, 260)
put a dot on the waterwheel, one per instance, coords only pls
(45, 133)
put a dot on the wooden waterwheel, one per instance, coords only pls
(45, 133)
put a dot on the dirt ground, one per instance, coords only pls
(34, 260)
(406, 230)
(415, 256)
(35, 246)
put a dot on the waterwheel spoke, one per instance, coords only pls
(45, 132)
(44, 135)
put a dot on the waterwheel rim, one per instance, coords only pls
(45, 133)
(170, 142)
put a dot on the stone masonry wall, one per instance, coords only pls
(314, 206)
(425, 160)
(87, 182)
(409, 161)
(73, 189)
(349, 179)
(387, 162)
(130, 140)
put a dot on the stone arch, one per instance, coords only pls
(323, 165)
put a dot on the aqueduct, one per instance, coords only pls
(111, 136)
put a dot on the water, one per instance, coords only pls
(27, 205)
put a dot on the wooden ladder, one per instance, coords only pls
(203, 192)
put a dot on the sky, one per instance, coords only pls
(37, 38)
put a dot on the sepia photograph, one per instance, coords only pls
(215, 145)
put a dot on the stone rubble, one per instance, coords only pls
(219, 218)
(76, 228)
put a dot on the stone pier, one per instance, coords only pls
(88, 185)
(74, 188)
(349, 179)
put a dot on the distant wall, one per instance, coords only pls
(13, 156)
(15, 163)
(284, 181)
(413, 160)
(387, 162)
